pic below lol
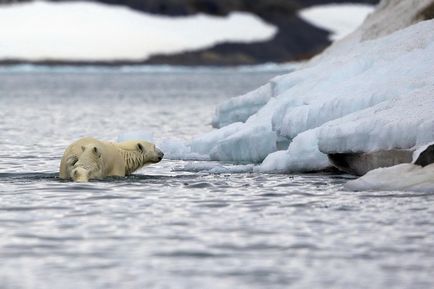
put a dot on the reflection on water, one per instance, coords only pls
(168, 228)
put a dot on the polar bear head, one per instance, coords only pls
(137, 153)
(90, 164)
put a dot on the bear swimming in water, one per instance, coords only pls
(89, 158)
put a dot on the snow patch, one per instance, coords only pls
(403, 177)
(89, 31)
(340, 19)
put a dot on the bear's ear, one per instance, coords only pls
(140, 147)
(96, 151)
(82, 148)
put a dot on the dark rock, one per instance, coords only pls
(426, 157)
(427, 13)
(361, 163)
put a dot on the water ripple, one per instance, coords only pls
(164, 227)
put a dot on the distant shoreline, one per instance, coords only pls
(119, 63)
(14, 62)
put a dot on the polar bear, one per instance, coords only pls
(89, 158)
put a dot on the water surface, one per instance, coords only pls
(165, 227)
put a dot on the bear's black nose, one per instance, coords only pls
(160, 155)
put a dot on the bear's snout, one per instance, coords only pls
(160, 154)
(80, 175)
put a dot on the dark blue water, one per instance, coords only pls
(166, 227)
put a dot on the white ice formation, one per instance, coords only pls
(371, 90)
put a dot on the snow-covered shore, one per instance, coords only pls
(372, 90)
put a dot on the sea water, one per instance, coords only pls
(166, 227)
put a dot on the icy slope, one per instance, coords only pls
(402, 122)
(389, 16)
(88, 31)
(396, 66)
(241, 108)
